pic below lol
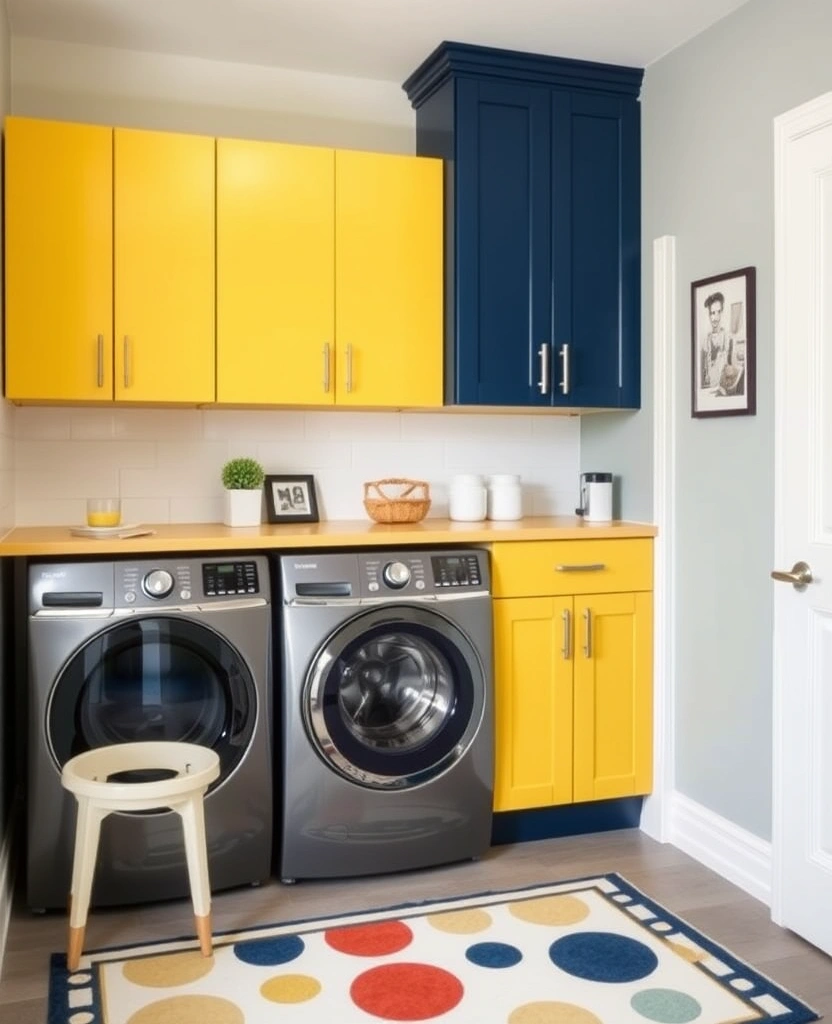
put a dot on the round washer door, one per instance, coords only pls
(154, 678)
(394, 697)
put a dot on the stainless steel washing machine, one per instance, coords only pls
(387, 710)
(164, 649)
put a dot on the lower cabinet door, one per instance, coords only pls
(533, 702)
(612, 697)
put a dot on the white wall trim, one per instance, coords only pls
(6, 888)
(719, 844)
(655, 815)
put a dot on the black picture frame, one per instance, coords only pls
(723, 344)
(291, 498)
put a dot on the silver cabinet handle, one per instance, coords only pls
(326, 368)
(566, 649)
(587, 633)
(126, 353)
(349, 368)
(100, 365)
(564, 356)
(800, 576)
(581, 567)
(543, 383)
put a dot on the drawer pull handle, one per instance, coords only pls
(587, 633)
(566, 649)
(582, 567)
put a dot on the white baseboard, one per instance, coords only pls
(719, 844)
(6, 889)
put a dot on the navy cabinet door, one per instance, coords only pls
(596, 250)
(503, 254)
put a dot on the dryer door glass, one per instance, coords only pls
(154, 678)
(395, 697)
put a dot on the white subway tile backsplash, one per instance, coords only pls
(302, 456)
(166, 463)
(32, 423)
(356, 426)
(243, 426)
(197, 509)
(158, 424)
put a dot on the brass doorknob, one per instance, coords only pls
(800, 576)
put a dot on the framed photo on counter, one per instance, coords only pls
(291, 498)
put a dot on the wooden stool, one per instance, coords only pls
(89, 777)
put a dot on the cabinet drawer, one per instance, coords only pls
(537, 568)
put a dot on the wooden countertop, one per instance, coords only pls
(58, 541)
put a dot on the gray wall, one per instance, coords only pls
(707, 157)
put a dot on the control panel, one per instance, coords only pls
(220, 579)
(422, 573)
(457, 570)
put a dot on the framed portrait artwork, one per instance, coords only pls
(723, 344)
(291, 499)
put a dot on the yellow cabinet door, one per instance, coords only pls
(613, 695)
(58, 259)
(532, 702)
(275, 273)
(388, 279)
(164, 267)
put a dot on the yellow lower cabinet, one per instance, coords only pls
(613, 696)
(573, 673)
(533, 703)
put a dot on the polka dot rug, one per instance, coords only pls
(588, 951)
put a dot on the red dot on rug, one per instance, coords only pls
(406, 991)
(378, 939)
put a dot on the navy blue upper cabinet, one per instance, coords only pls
(542, 225)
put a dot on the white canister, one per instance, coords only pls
(467, 498)
(505, 498)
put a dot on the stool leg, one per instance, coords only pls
(87, 831)
(193, 828)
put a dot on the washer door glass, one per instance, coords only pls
(154, 678)
(394, 697)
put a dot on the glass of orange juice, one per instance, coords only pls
(103, 511)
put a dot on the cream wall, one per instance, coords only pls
(165, 464)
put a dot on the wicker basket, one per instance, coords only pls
(407, 504)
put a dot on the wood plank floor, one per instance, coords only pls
(681, 884)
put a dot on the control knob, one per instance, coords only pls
(396, 575)
(158, 583)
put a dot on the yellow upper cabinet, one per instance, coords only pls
(164, 267)
(329, 276)
(275, 273)
(388, 279)
(58, 261)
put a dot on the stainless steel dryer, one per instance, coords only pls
(168, 649)
(387, 711)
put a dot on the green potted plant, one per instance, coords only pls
(242, 479)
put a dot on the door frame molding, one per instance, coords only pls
(788, 128)
(656, 814)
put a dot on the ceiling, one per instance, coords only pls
(380, 39)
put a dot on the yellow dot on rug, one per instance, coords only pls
(692, 955)
(189, 1010)
(461, 922)
(169, 970)
(550, 910)
(552, 1013)
(290, 988)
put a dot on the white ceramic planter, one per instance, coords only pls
(242, 508)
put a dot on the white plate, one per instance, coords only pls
(105, 531)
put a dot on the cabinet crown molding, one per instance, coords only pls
(451, 60)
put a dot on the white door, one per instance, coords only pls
(802, 764)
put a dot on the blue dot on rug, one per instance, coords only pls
(269, 952)
(603, 956)
(493, 954)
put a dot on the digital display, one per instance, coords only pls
(224, 568)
